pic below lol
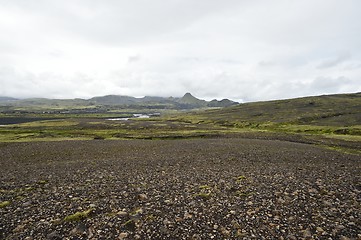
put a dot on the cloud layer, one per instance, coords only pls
(243, 50)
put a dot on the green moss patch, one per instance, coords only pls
(78, 216)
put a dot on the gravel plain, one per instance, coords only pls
(224, 188)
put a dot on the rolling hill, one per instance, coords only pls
(330, 110)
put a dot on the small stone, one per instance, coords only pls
(313, 190)
(122, 213)
(54, 236)
(344, 238)
(187, 215)
(80, 229)
(27, 204)
(291, 237)
(196, 237)
(143, 197)
(319, 230)
(225, 232)
(90, 233)
(123, 235)
(164, 230)
(92, 205)
(307, 233)
(340, 227)
(19, 228)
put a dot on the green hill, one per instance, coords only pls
(189, 99)
(5, 99)
(335, 110)
(114, 100)
(222, 103)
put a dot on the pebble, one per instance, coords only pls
(122, 213)
(165, 206)
(54, 236)
(143, 197)
(123, 235)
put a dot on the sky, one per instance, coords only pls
(245, 50)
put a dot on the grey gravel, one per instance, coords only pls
(224, 188)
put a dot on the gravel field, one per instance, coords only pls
(225, 188)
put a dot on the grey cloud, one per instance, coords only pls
(241, 49)
(266, 63)
(119, 22)
(330, 84)
(135, 58)
(332, 62)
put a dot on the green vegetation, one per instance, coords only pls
(205, 192)
(202, 195)
(333, 121)
(4, 204)
(78, 216)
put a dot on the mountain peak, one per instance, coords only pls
(188, 95)
(188, 98)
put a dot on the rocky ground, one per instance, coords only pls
(226, 188)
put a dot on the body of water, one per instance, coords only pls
(136, 115)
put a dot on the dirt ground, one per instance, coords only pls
(224, 188)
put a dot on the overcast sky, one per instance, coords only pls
(246, 50)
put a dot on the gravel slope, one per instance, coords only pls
(178, 189)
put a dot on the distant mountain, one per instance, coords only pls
(4, 99)
(189, 99)
(114, 100)
(222, 103)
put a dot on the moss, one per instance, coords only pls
(241, 177)
(29, 189)
(202, 195)
(78, 216)
(4, 204)
(150, 218)
(136, 212)
(243, 194)
(42, 182)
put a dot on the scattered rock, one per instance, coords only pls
(157, 183)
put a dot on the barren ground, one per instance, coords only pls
(224, 188)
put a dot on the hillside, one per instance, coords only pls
(190, 100)
(334, 110)
(4, 99)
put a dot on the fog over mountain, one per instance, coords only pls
(238, 49)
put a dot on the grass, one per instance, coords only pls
(320, 120)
